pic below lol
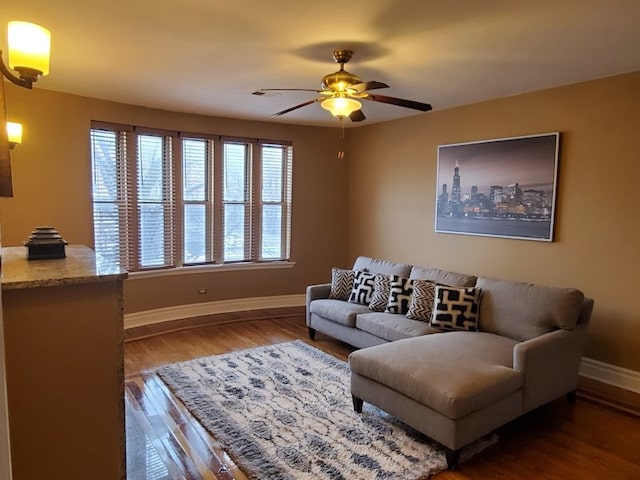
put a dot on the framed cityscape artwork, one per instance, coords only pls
(499, 188)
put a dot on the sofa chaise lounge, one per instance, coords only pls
(457, 384)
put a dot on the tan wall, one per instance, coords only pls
(597, 235)
(52, 186)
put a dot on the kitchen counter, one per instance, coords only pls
(82, 265)
(64, 356)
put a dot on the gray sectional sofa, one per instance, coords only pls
(457, 385)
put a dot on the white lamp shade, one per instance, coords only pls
(29, 46)
(14, 132)
(341, 106)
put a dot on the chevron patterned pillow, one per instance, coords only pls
(341, 283)
(422, 300)
(456, 308)
(381, 286)
(363, 286)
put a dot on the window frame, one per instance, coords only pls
(168, 200)
(174, 248)
(208, 202)
(286, 176)
(248, 240)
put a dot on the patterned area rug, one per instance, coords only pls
(284, 412)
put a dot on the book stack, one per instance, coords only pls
(45, 242)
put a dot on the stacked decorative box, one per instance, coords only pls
(45, 242)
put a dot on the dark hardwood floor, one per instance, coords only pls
(586, 440)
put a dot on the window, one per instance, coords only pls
(236, 202)
(196, 197)
(154, 202)
(275, 201)
(165, 200)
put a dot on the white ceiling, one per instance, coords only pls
(208, 56)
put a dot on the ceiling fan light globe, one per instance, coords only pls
(341, 106)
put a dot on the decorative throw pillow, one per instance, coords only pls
(341, 283)
(363, 285)
(400, 290)
(422, 300)
(381, 286)
(456, 308)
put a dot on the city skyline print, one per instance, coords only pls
(498, 188)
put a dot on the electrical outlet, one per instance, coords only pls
(202, 291)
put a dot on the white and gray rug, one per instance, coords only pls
(284, 412)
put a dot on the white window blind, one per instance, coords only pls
(155, 202)
(109, 186)
(162, 200)
(196, 197)
(275, 202)
(236, 202)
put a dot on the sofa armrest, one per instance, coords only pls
(315, 292)
(549, 364)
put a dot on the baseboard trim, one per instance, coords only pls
(610, 374)
(181, 312)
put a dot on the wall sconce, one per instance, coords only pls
(14, 134)
(341, 106)
(29, 48)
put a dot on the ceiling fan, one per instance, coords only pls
(341, 92)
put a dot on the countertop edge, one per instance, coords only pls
(56, 282)
(82, 265)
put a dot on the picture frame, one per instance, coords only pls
(503, 187)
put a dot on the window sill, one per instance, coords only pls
(232, 267)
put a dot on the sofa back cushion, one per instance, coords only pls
(373, 265)
(442, 276)
(522, 311)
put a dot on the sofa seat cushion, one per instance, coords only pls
(392, 326)
(338, 310)
(454, 373)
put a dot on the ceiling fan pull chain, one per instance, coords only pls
(341, 138)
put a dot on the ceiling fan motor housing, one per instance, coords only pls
(339, 81)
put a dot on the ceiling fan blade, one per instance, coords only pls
(423, 107)
(357, 116)
(295, 108)
(361, 87)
